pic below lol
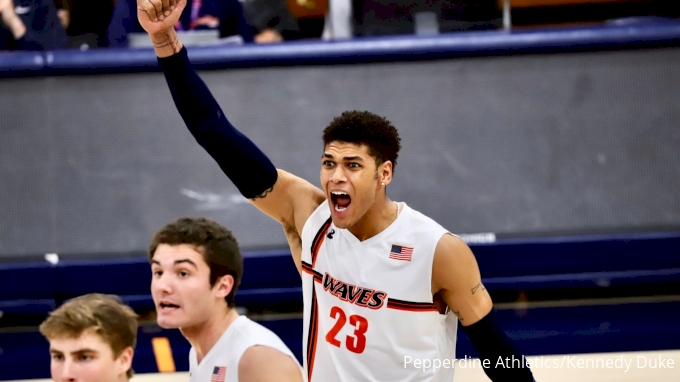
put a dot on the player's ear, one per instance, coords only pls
(385, 173)
(223, 286)
(124, 361)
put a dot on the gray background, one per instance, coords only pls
(514, 145)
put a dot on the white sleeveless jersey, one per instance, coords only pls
(221, 362)
(369, 312)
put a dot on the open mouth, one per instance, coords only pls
(341, 200)
(166, 306)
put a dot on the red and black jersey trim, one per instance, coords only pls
(312, 336)
(411, 305)
(306, 267)
(318, 240)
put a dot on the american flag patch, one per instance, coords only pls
(218, 374)
(400, 252)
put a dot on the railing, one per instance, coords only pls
(615, 35)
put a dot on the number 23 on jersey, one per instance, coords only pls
(357, 341)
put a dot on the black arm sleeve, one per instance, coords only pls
(244, 163)
(505, 362)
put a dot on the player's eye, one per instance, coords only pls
(354, 165)
(57, 357)
(183, 273)
(157, 273)
(85, 357)
(328, 163)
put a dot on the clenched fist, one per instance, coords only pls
(156, 16)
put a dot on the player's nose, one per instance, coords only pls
(338, 175)
(67, 372)
(161, 285)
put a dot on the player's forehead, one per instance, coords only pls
(88, 341)
(339, 150)
(178, 254)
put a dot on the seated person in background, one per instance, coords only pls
(271, 20)
(30, 25)
(92, 339)
(86, 22)
(63, 12)
(225, 16)
(196, 267)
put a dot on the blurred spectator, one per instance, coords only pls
(30, 25)
(63, 13)
(86, 22)
(349, 18)
(271, 20)
(224, 16)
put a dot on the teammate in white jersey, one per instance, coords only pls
(197, 266)
(377, 284)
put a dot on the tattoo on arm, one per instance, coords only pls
(477, 287)
(264, 194)
(168, 41)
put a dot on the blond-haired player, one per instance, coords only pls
(92, 339)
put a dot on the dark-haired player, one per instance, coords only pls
(197, 266)
(379, 279)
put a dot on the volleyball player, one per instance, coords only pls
(92, 339)
(380, 280)
(196, 268)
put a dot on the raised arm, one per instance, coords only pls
(284, 197)
(456, 277)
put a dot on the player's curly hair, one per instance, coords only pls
(363, 127)
(216, 243)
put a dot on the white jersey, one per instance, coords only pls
(221, 362)
(369, 313)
